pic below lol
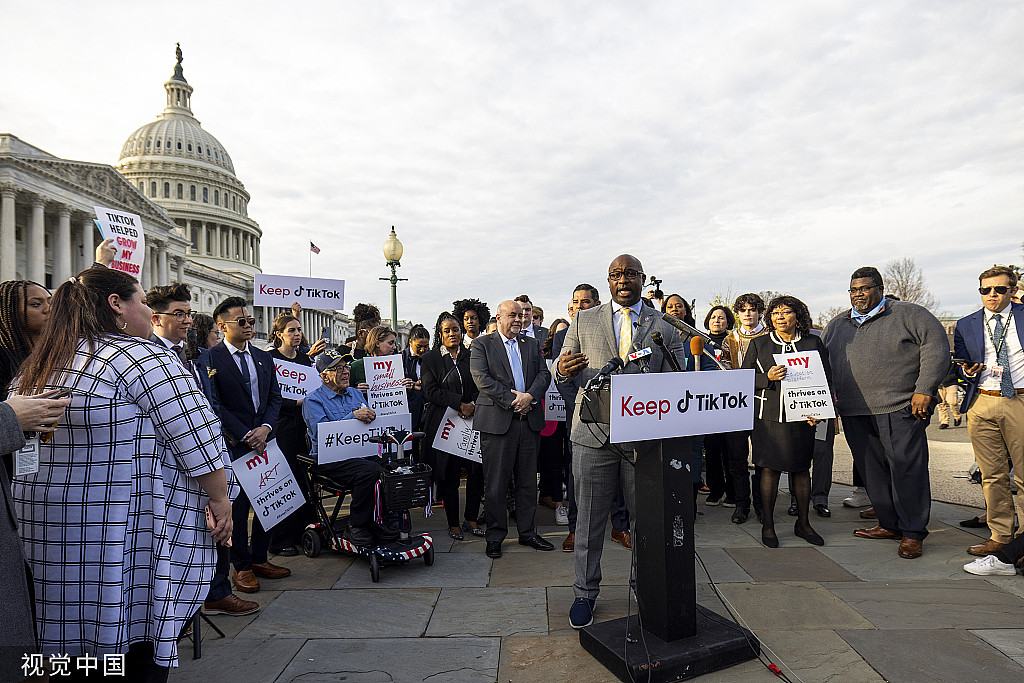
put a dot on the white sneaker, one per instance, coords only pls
(990, 566)
(562, 515)
(857, 499)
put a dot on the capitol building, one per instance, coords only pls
(171, 172)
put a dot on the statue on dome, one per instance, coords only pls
(179, 75)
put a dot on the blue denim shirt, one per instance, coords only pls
(326, 405)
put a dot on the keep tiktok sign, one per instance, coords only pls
(310, 292)
(664, 405)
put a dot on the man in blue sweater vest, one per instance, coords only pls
(888, 358)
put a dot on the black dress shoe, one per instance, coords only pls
(287, 551)
(536, 542)
(493, 549)
(769, 541)
(822, 510)
(809, 535)
(740, 514)
(974, 523)
(792, 509)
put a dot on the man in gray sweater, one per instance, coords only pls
(888, 358)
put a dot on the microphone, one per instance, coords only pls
(640, 357)
(686, 328)
(609, 367)
(660, 342)
(697, 349)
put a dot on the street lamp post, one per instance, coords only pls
(393, 253)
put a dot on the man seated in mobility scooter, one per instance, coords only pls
(334, 401)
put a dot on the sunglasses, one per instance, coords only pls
(243, 322)
(1000, 289)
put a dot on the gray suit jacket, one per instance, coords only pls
(593, 333)
(492, 374)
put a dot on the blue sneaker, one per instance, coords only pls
(581, 613)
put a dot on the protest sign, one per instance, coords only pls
(385, 375)
(457, 436)
(667, 404)
(269, 483)
(554, 404)
(297, 381)
(126, 231)
(805, 390)
(310, 292)
(347, 439)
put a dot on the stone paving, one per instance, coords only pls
(849, 611)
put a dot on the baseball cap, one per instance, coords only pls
(331, 358)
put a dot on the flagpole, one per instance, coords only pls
(311, 258)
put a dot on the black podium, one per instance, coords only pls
(679, 638)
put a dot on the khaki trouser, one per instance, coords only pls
(996, 427)
(949, 400)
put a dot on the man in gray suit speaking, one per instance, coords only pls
(512, 377)
(611, 330)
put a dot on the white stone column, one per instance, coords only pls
(88, 243)
(62, 246)
(165, 272)
(179, 266)
(8, 245)
(224, 236)
(256, 251)
(36, 253)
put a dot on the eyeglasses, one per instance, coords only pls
(779, 313)
(180, 315)
(628, 274)
(243, 322)
(339, 367)
(1000, 289)
(862, 290)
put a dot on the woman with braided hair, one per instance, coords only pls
(24, 309)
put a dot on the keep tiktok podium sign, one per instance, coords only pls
(669, 404)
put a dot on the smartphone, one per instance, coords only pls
(62, 392)
(325, 334)
(963, 361)
(191, 344)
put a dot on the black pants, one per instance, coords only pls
(892, 451)
(503, 454)
(1012, 552)
(551, 463)
(244, 555)
(737, 452)
(289, 530)
(716, 466)
(361, 476)
(448, 487)
(138, 663)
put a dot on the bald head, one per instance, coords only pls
(510, 318)
(626, 279)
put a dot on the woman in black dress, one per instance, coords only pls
(286, 336)
(447, 383)
(780, 446)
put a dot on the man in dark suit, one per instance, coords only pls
(512, 377)
(607, 331)
(538, 332)
(993, 340)
(250, 402)
(172, 318)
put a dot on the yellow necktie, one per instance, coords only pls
(625, 332)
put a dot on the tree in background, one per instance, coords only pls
(905, 280)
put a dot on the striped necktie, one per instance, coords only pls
(625, 331)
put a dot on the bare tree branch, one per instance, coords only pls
(905, 280)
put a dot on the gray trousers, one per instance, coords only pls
(598, 475)
(515, 450)
(892, 451)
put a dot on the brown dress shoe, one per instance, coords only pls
(876, 532)
(910, 548)
(231, 605)
(569, 544)
(868, 513)
(622, 537)
(270, 571)
(245, 581)
(986, 548)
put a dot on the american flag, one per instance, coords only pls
(313, 248)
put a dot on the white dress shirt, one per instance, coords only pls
(1013, 349)
(245, 355)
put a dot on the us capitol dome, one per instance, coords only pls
(186, 171)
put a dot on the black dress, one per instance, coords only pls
(777, 445)
(290, 432)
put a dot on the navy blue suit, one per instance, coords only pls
(969, 343)
(238, 417)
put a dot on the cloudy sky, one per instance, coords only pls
(519, 146)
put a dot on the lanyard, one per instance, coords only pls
(1002, 340)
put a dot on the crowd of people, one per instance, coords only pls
(124, 410)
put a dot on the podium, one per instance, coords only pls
(678, 639)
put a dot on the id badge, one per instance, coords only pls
(26, 460)
(997, 373)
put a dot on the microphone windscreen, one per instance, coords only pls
(696, 347)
